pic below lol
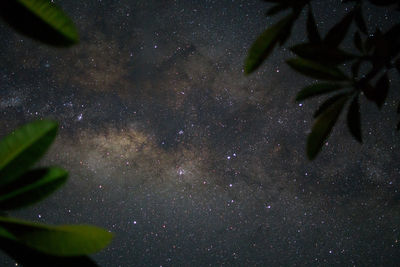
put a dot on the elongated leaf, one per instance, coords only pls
(355, 68)
(382, 89)
(63, 241)
(360, 22)
(32, 187)
(317, 89)
(28, 257)
(353, 119)
(338, 32)
(383, 2)
(276, 9)
(377, 93)
(397, 65)
(312, 29)
(316, 70)
(41, 20)
(25, 146)
(323, 126)
(322, 53)
(327, 103)
(263, 46)
(358, 42)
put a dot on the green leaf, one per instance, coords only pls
(353, 119)
(322, 53)
(317, 89)
(28, 257)
(327, 103)
(323, 126)
(63, 241)
(312, 29)
(263, 46)
(41, 20)
(24, 147)
(316, 70)
(32, 187)
(338, 32)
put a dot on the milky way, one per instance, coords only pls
(188, 161)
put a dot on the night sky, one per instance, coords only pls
(187, 160)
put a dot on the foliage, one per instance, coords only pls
(41, 20)
(323, 58)
(21, 187)
(34, 244)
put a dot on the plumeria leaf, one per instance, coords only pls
(316, 70)
(317, 89)
(322, 53)
(312, 29)
(265, 43)
(62, 241)
(24, 147)
(29, 257)
(32, 187)
(40, 19)
(338, 32)
(323, 126)
(354, 120)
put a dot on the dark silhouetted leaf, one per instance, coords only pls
(24, 147)
(327, 103)
(276, 9)
(263, 46)
(28, 257)
(338, 32)
(323, 126)
(398, 126)
(32, 187)
(359, 20)
(286, 30)
(355, 67)
(397, 65)
(316, 70)
(383, 2)
(41, 20)
(62, 241)
(317, 89)
(378, 93)
(322, 53)
(312, 29)
(353, 119)
(358, 42)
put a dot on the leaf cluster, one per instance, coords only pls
(34, 244)
(29, 243)
(323, 58)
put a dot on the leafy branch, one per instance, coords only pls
(322, 58)
(29, 243)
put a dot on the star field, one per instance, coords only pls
(187, 160)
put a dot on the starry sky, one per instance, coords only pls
(187, 160)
